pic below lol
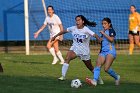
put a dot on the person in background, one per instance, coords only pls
(55, 26)
(134, 29)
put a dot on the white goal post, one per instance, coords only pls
(44, 6)
(26, 16)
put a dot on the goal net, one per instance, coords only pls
(94, 10)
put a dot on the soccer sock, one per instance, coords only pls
(52, 51)
(59, 54)
(64, 69)
(112, 73)
(131, 47)
(96, 73)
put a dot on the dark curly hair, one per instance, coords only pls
(87, 22)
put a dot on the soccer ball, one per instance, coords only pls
(76, 83)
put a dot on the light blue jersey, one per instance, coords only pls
(108, 47)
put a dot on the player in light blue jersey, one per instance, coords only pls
(80, 47)
(107, 53)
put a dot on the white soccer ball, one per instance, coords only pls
(76, 83)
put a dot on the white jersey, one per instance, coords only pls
(53, 24)
(81, 38)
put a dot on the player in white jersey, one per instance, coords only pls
(80, 47)
(55, 26)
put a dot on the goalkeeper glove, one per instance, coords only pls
(135, 30)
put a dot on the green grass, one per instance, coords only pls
(35, 74)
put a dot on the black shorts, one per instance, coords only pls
(131, 32)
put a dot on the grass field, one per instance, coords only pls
(35, 74)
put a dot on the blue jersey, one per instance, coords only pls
(106, 45)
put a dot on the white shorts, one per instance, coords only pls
(81, 56)
(84, 57)
(58, 37)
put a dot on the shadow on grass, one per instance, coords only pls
(27, 62)
(30, 62)
(36, 84)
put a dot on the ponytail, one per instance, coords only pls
(109, 21)
(87, 22)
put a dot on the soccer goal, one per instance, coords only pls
(67, 10)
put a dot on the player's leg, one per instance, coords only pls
(70, 56)
(91, 68)
(131, 43)
(88, 64)
(52, 50)
(96, 76)
(137, 39)
(97, 69)
(58, 52)
(108, 62)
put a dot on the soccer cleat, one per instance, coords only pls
(117, 82)
(100, 81)
(62, 78)
(91, 82)
(55, 60)
(88, 81)
(61, 63)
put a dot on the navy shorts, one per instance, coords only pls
(131, 32)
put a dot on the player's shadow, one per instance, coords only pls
(27, 62)
(52, 85)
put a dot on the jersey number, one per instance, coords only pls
(79, 40)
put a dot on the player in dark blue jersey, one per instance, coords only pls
(107, 53)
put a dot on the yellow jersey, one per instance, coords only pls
(134, 21)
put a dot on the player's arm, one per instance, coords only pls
(97, 37)
(40, 30)
(110, 38)
(60, 33)
(59, 22)
(138, 25)
(94, 35)
(138, 17)
(61, 29)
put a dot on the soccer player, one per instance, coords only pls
(107, 54)
(134, 29)
(80, 47)
(55, 26)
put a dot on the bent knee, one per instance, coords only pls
(48, 46)
(137, 43)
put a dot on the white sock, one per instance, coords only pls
(53, 52)
(64, 69)
(59, 54)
